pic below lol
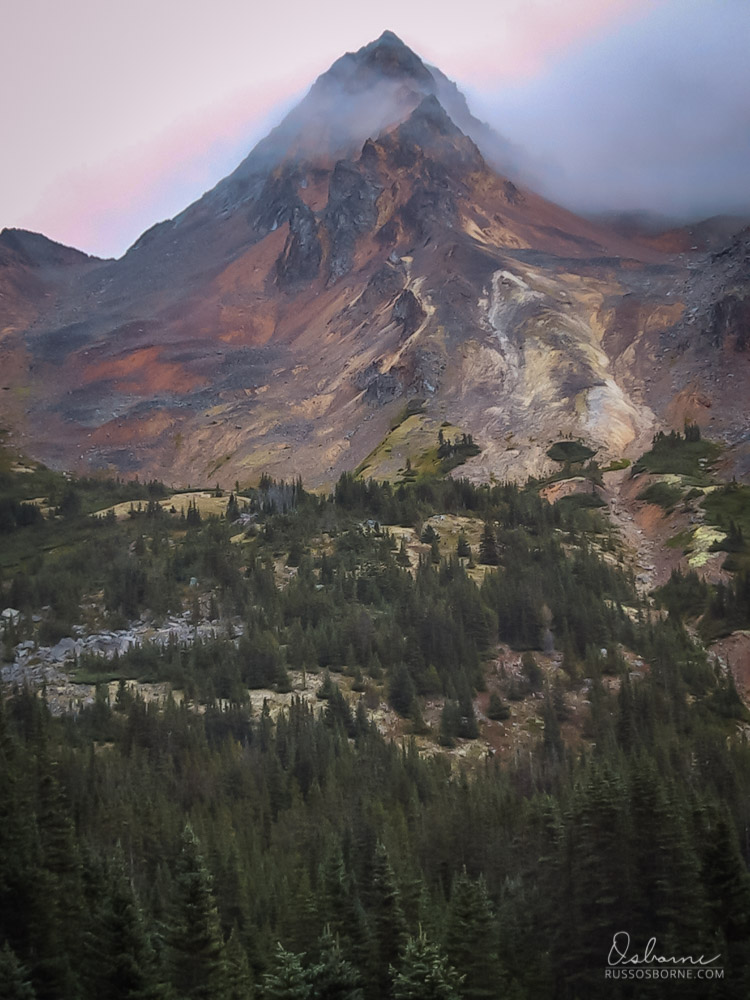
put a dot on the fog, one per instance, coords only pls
(654, 117)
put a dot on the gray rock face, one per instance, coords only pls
(300, 259)
(382, 389)
(275, 204)
(350, 211)
(408, 313)
(729, 322)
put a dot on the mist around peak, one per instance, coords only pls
(654, 117)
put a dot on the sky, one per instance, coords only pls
(116, 116)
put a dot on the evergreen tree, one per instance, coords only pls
(197, 960)
(470, 938)
(124, 966)
(425, 974)
(59, 903)
(332, 976)
(233, 509)
(387, 924)
(488, 547)
(239, 976)
(401, 692)
(287, 980)
(14, 979)
(727, 883)
(552, 740)
(497, 709)
(402, 557)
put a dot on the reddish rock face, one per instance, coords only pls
(368, 252)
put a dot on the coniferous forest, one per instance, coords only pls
(211, 844)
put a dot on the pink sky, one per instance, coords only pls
(119, 115)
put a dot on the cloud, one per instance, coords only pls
(654, 116)
(121, 116)
(112, 107)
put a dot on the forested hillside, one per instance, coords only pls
(337, 838)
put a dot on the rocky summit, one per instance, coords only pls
(376, 257)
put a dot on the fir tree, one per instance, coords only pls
(287, 980)
(197, 960)
(332, 976)
(470, 938)
(727, 883)
(14, 979)
(239, 976)
(488, 547)
(124, 966)
(387, 924)
(425, 974)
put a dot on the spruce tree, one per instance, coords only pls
(14, 978)
(488, 547)
(387, 924)
(333, 977)
(59, 906)
(287, 979)
(197, 960)
(470, 938)
(339, 905)
(425, 974)
(121, 960)
(239, 976)
(727, 884)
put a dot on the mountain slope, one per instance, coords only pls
(364, 254)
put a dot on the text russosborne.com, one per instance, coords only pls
(663, 973)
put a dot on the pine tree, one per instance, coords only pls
(727, 883)
(552, 740)
(470, 938)
(332, 976)
(488, 547)
(387, 924)
(197, 960)
(497, 709)
(425, 974)
(59, 906)
(239, 976)
(337, 903)
(402, 557)
(14, 979)
(124, 965)
(287, 980)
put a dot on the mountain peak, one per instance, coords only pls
(36, 250)
(386, 58)
(388, 38)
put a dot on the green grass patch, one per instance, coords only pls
(684, 595)
(413, 407)
(672, 454)
(86, 675)
(570, 452)
(581, 501)
(453, 454)
(737, 562)
(665, 495)
(727, 505)
(683, 540)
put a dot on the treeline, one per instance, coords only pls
(163, 853)
(172, 853)
(721, 608)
